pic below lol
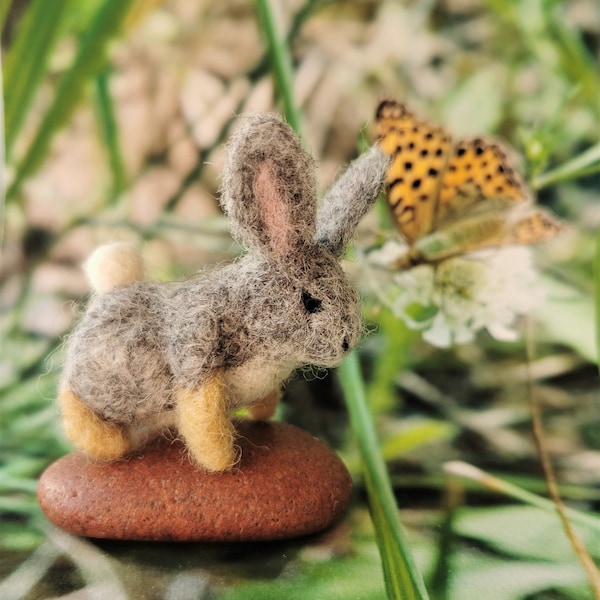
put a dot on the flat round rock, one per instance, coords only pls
(287, 484)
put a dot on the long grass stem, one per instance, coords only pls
(471, 473)
(597, 297)
(403, 580)
(88, 62)
(587, 163)
(281, 62)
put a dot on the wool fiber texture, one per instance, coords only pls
(285, 304)
(269, 187)
(114, 265)
(206, 427)
(337, 220)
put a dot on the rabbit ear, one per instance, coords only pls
(268, 188)
(349, 199)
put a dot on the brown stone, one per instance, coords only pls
(287, 484)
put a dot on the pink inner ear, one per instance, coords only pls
(273, 210)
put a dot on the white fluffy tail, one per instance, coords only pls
(113, 265)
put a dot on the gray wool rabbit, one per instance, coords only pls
(147, 356)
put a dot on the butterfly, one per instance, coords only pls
(450, 198)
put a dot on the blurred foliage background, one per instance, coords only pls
(115, 116)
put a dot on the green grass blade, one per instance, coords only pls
(553, 42)
(597, 297)
(586, 163)
(2, 158)
(4, 8)
(110, 133)
(281, 62)
(89, 61)
(27, 61)
(466, 471)
(395, 339)
(402, 579)
(575, 58)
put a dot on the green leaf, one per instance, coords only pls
(414, 435)
(14, 537)
(395, 351)
(514, 580)
(523, 532)
(335, 579)
(464, 109)
(567, 316)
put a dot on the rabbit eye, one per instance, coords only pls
(311, 304)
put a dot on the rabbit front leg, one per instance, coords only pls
(90, 433)
(203, 422)
(264, 409)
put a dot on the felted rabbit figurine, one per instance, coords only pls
(147, 356)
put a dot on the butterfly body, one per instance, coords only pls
(455, 239)
(449, 198)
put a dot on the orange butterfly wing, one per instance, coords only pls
(419, 153)
(478, 171)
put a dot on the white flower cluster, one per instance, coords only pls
(487, 289)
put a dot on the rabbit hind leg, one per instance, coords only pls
(203, 422)
(264, 409)
(90, 433)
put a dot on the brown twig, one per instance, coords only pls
(538, 435)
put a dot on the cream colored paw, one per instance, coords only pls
(265, 408)
(217, 458)
(204, 424)
(89, 433)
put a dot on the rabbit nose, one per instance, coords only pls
(345, 345)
